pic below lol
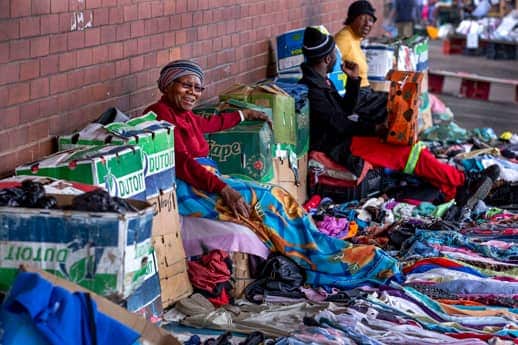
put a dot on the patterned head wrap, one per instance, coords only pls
(177, 69)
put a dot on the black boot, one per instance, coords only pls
(476, 187)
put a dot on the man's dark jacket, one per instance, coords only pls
(330, 128)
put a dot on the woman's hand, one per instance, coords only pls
(351, 69)
(235, 202)
(251, 115)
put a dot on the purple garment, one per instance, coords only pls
(335, 227)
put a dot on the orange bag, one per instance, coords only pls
(402, 106)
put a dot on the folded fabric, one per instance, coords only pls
(63, 317)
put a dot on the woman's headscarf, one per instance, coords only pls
(177, 69)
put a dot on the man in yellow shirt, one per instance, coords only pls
(360, 19)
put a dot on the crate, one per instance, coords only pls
(453, 45)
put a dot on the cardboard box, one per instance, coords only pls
(302, 146)
(270, 96)
(108, 253)
(149, 333)
(118, 169)
(244, 151)
(285, 177)
(170, 253)
(240, 273)
(380, 58)
(425, 112)
(155, 138)
(289, 56)
(403, 107)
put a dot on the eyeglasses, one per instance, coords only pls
(189, 86)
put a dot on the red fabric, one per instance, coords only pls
(189, 142)
(224, 298)
(209, 271)
(438, 261)
(380, 154)
(329, 165)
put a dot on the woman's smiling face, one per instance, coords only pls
(184, 92)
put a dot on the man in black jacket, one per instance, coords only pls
(349, 139)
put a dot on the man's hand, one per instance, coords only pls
(235, 202)
(351, 69)
(254, 115)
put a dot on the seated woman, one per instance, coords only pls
(371, 105)
(270, 211)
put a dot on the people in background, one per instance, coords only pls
(404, 13)
(351, 140)
(270, 211)
(358, 24)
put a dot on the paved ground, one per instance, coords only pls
(474, 113)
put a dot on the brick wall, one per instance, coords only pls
(62, 62)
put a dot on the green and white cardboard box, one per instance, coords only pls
(244, 151)
(118, 169)
(155, 138)
(108, 253)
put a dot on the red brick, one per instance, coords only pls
(116, 16)
(101, 16)
(197, 18)
(92, 74)
(29, 26)
(123, 31)
(130, 48)
(58, 83)
(144, 10)
(4, 95)
(151, 26)
(150, 60)
(207, 17)
(107, 71)
(38, 130)
(4, 52)
(122, 67)
(137, 29)
(163, 24)
(10, 30)
(58, 6)
(9, 73)
(29, 69)
(175, 22)
(192, 6)
(75, 40)
(4, 9)
(65, 21)
(108, 34)
(10, 118)
(162, 57)
(109, 3)
(181, 6)
(116, 51)
(157, 42)
(20, 8)
(46, 147)
(29, 112)
(58, 43)
(49, 65)
(18, 93)
(92, 37)
(136, 64)
(48, 106)
(67, 61)
(181, 37)
(168, 39)
(143, 44)
(169, 7)
(186, 20)
(100, 54)
(84, 57)
(40, 7)
(39, 46)
(75, 79)
(157, 9)
(130, 13)
(39, 88)
(49, 24)
(93, 3)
